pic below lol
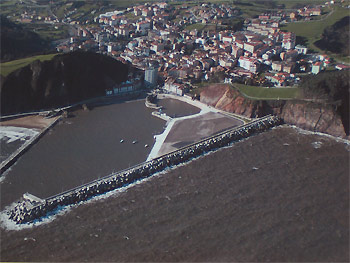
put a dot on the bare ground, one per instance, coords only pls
(31, 122)
(188, 131)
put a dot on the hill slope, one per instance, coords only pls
(17, 42)
(65, 79)
(336, 37)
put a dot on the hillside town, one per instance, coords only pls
(166, 43)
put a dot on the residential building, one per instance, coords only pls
(151, 76)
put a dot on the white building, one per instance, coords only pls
(301, 49)
(250, 64)
(175, 88)
(151, 75)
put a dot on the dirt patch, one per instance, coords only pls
(195, 129)
(31, 122)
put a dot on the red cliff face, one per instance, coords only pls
(314, 117)
(306, 115)
(221, 96)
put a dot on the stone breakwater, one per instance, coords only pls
(28, 211)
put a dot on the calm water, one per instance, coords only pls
(6, 149)
(86, 147)
(176, 108)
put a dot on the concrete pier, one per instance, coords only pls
(162, 116)
(28, 211)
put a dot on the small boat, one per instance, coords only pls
(121, 141)
(133, 142)
(146, 145)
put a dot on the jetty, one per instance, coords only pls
(151, 102)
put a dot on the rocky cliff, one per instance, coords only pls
(306, 115)
(66, 79)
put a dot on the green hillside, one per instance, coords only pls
(8, 67)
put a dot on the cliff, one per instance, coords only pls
(307, 115)
(66, 79)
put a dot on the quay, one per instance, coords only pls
(162, 116)
(30, 210)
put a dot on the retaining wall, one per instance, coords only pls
(27, 211)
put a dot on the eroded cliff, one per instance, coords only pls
(307, 115)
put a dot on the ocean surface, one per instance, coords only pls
(12, 138)
(279, 196)
(86, 147)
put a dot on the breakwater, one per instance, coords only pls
(30, 210)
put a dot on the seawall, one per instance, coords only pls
(27, 211)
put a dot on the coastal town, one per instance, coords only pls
(174, 130)
(180, 46)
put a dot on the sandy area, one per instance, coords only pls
(31, 122)
(188, 129)
(185, 132)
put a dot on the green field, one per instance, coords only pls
(198, 26)
(311, 31)
(7, 67)
(293, 3)
(262, 93)
(204, 27)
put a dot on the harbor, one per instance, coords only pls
(28, 211)
(46, 169)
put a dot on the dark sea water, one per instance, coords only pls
(86, 147)
(6, 149)
(277, 196)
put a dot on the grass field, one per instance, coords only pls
(8, 67)
(261, 93)
(293, 3)
(206, 27)
(311, 31)
(198, 26)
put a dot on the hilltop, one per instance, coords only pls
(65, 79)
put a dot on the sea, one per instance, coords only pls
(279, 196)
